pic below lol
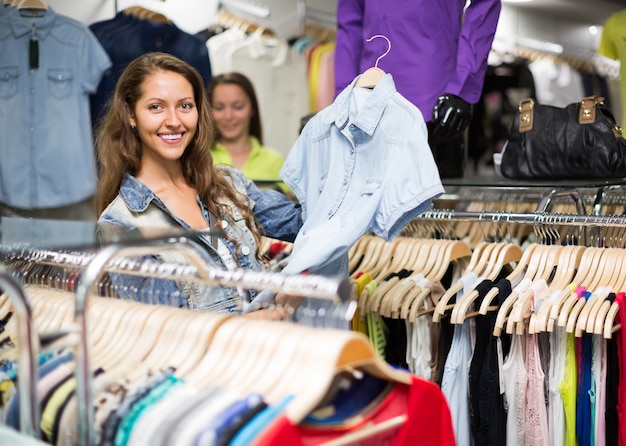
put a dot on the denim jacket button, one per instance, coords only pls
(224, 224)
(245, 250)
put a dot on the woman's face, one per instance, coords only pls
(165, 115)
(232, 111)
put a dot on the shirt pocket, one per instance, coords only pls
(60, 82)
(9, 78)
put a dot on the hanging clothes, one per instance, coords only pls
(125, 37)
(50, 65)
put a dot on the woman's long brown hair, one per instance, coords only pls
(119, 148)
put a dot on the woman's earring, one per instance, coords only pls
(133, 125)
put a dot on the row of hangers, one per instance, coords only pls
(231, 21)
(275, 359)
(597, 269)
(577, 63)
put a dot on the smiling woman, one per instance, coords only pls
(239, 133)
(156, 171)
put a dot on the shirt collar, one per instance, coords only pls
(24, 25)
(369, 116)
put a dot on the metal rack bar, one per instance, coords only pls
(321, 287)
(536, 219)
(104, 261)
(28, 351)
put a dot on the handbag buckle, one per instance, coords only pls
(587, 110)
(526, 112)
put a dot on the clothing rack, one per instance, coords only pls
(337, 291)
(29, 406)
(545, 218)
(118, 258)
(484, 188)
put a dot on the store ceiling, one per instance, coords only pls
(592, 12)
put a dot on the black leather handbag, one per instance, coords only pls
(580, 141)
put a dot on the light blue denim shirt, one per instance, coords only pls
(136, 206)
(46, 146)
(361, 164)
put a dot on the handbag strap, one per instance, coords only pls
(587, 110)
(526, 113)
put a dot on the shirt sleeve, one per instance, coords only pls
(349, 42)
(477, 33)
(96, 62)
(279, 217)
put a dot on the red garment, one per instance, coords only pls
(620, 298)
(428, 421)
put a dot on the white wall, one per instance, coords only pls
(189, 15)
(523, 27)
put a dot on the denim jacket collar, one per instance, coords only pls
(135, 194)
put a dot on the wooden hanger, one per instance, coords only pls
(406, 250)
(604, 281)
(476, 265)
(523, 273)
(523, 265)
(573, 305)
(339, 351)
(370, 77)
(508, 253)
(424, 257)
(453, 251)
(569, 261)
(609, 322)
(377, 251)
(356, 253)
(523, 307)
(578, 320)
(568, 297)
(32, 4)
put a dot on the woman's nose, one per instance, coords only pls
(172, 118)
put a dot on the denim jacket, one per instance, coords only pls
(136, 206)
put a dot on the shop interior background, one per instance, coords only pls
(560, 27)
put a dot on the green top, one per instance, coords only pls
(263, 164)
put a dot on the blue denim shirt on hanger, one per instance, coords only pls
(361, 164)
(136, 206)
(46, 146)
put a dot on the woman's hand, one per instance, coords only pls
(286, 304)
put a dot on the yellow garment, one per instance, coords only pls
(315, 62)
(613, 46)
(568, 389)
(53, 406)
(263, 164)
(377, 331)
(358, 323)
